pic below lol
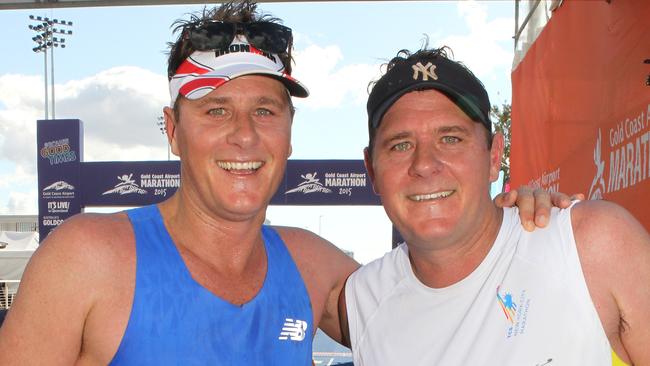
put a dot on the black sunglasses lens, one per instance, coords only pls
(267, 36)
(212, 36)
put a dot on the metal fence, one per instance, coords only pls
(8, 290)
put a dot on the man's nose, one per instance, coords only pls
(425, 161)
(244, 132)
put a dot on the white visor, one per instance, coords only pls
(204, 71)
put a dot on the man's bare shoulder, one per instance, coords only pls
(90, 233)
(97, 244)
(303, 242)
(77, 285)
(614, 250)
(597, 222)
(607, 236)
(294, 235)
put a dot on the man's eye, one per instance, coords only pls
(217, 112)
(450, 140)
(402, 146)
(263, 112)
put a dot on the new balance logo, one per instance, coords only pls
(427, 71)
(294, 330)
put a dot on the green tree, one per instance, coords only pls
(501, 116)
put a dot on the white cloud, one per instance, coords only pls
(118, 106)
(20, 203)
(17, 178)
(23, 99)
(103, 150)
(119, 109)
(20, 91)
(486, 50)
(18, 136)
(330, 82)
(18, 191)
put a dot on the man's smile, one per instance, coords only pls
(240, 166)
(430, 196)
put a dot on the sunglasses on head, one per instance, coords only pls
(218, 35)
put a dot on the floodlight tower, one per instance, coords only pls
(46, 29)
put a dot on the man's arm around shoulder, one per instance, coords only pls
(614, 251)
(64, 277)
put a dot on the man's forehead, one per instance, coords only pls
(403, 130)
(425, 99)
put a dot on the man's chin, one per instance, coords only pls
(431, 231)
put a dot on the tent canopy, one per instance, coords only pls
(15, 250)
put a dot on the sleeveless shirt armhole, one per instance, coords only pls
(360, 283)
(566, 231)
(274, 242)
(569, 245)
(351, 308)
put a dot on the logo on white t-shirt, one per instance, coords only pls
(508, 306)
(516, 312)
(294, 330)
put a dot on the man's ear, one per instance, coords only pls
(495, 156)
(170, 128)
(367, 161)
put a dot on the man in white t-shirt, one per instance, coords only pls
(470, 286)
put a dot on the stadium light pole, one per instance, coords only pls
(41, 46)
(46, 30)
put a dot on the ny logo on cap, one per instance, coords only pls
(427, 71)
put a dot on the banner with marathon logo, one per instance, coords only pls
(67, 184)
(586, 128)
(306, 182)
(135, 183)
(325, 182)
(59, 154)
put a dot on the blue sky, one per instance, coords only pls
(112, 77)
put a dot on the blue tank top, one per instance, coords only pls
(176, 321)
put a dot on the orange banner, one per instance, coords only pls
(581, 105)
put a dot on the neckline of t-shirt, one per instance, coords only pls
(509, 216)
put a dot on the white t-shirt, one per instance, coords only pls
(526, 304)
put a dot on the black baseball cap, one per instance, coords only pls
(430, 72)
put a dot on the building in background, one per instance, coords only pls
(21, 223)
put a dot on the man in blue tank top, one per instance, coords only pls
(197, 279)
